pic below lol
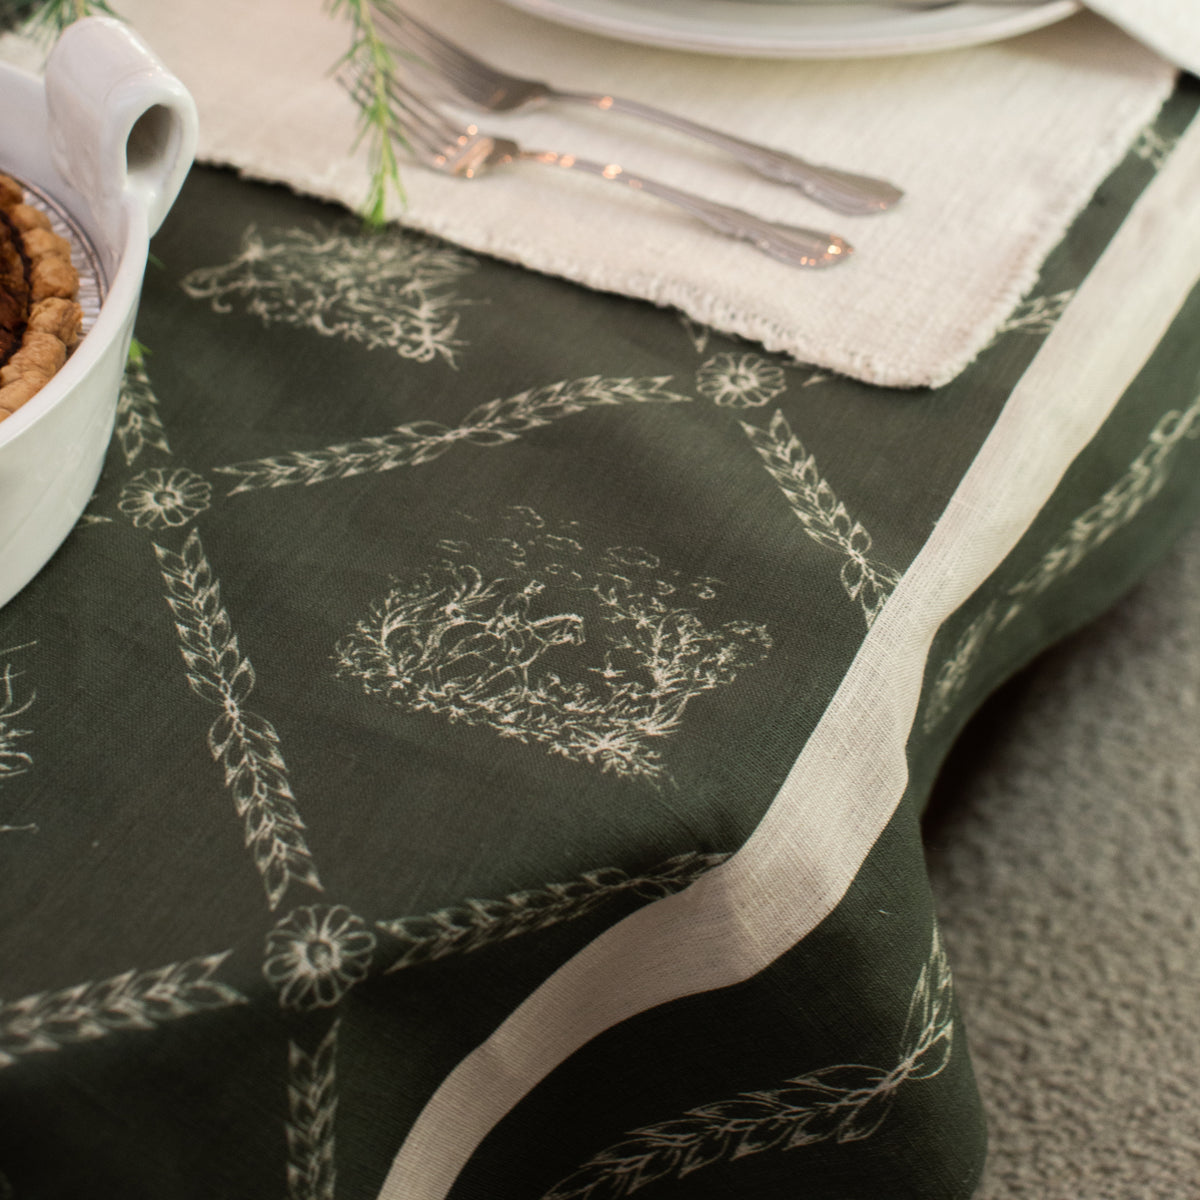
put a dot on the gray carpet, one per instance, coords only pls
(1065, 855)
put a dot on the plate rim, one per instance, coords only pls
(792, 36)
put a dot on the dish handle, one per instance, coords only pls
(120, 123)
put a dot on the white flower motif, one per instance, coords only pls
(315, 955)
(740, 380)
(156, 499)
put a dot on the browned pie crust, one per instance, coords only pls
(40, 317)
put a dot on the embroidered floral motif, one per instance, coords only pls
(316, 954)
(740, 380)
(489, 645)
(157, 499)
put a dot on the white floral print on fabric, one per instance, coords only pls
(14, 704)
(138, 426)
(157, 499)
(384, 290)
(847, 1103)
(132, 1000)
(492, 424)
(1137, 486)
(740, 380)
(1154, 147)
(488, 644)
(244, 743)
(697, 333)
(475, 924)
(956, 670)
(1117, 507)
(1036, 314)
(822, 514)
(316, 954)
(312, 1107)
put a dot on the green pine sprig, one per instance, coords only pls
(377, 119)
(373, 61)
(49, 18)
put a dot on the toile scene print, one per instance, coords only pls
(488, 635)
(383, 290)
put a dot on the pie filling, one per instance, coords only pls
(40, 315)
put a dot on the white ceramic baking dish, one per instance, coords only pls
(105, 140)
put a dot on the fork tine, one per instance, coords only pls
(422, 115)
(423, 128)
(470, 75)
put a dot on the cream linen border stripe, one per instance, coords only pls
(799, 862)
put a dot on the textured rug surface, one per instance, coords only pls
(1063, 844)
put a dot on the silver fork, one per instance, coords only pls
(486, 87)
(467, 153)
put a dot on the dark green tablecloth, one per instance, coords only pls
(430, 618)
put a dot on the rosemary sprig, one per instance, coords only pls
(368, 53)
(50, 17)
(378, 123)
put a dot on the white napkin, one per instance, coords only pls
(997, 146)
(1172, 27)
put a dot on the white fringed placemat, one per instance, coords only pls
(997, 146)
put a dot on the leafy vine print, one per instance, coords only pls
(1153, 147)
(312, 1106)
(1036, 314)
(383, 289)
(845, 1103)
(14, 761)
(956, 670)
(490, 424)
(132, 1000)
(492, 645)
(475, 924)
(822, 514)
(1138, 485)
(244, 743)
(138, 426)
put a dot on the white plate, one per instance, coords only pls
(798, 30)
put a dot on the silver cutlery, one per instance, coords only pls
(467, 153)
(484, 86)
